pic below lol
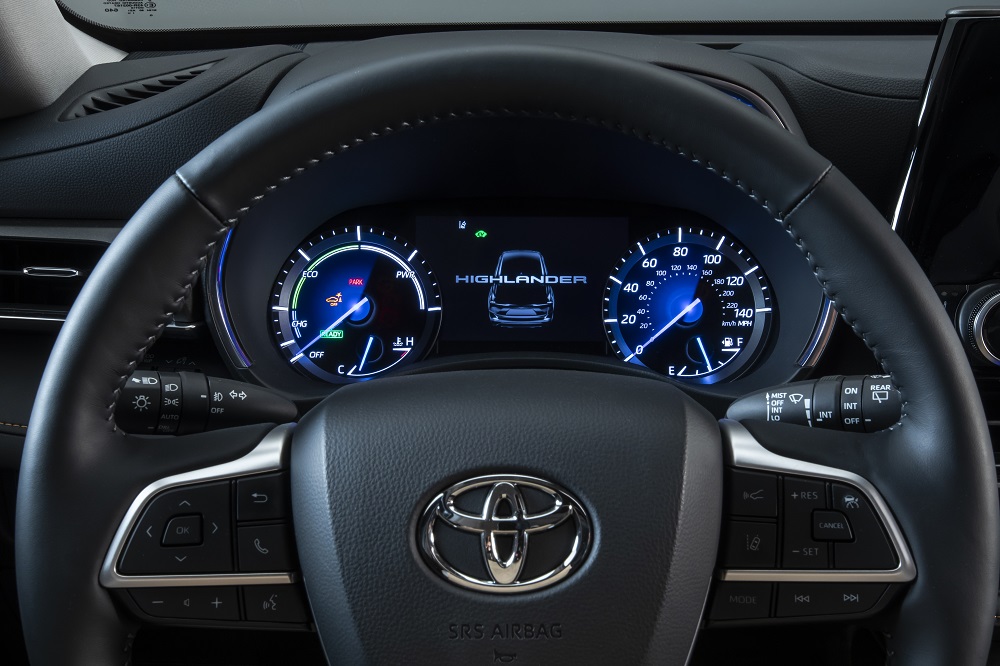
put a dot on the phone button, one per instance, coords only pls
(266, 548)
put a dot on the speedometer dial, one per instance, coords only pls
(352, 304)
(689, 303)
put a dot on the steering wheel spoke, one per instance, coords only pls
(212, 544)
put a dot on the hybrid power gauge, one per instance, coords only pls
(353, 304)
(689, 303)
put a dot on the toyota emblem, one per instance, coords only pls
(504, 534)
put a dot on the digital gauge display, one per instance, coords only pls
(689, 303)
(354, 303)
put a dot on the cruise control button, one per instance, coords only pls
(265, 548)
(870, 548)
(275, 603)
(741, 601)
(799, 549)
(188, 603)
(753, 494)
(831, 526)
(751, 545)
(801, 599)
(183, 531)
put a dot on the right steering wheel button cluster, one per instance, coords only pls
(819, 525)
(802, 540)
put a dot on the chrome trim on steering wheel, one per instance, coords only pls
(266, 457)
(746, 452)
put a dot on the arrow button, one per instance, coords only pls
(185, 530)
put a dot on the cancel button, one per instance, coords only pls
(831, 526)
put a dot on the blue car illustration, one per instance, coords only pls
(519, 295)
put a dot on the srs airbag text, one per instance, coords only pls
(504, 631)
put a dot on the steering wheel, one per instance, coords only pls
(640, 458)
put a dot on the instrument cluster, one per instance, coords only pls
(378, 289)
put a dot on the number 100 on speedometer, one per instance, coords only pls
(689, 303)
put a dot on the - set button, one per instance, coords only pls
(799, 549)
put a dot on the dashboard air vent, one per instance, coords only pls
(114, 97)
(39, 279)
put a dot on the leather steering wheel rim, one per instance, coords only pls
(79, 473)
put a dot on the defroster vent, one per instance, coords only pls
(123, 94)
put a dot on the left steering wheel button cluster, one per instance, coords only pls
(165, 539)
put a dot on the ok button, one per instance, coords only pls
(182, 531)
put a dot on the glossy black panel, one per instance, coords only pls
(948, 210)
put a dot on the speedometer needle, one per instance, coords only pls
(673, 321)
(334, 324)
